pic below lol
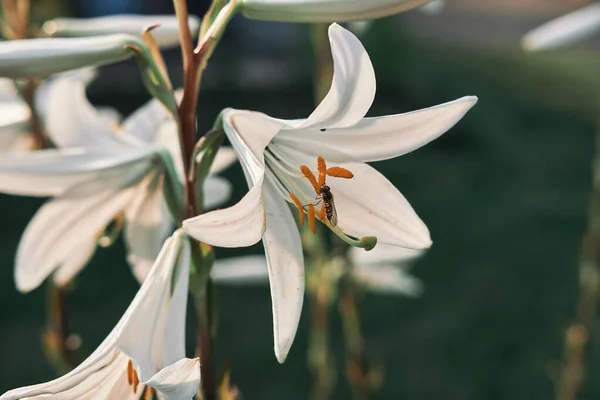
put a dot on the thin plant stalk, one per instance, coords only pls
(579, 332)
(194, 62)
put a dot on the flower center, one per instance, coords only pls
(290, 185)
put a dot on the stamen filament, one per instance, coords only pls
(275, 160)
(299, 206)
(289, 167)
(365, 242)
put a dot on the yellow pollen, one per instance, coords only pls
(311, 178)
(339, 172)
(322, 167)
(311, 218)
(299, 206)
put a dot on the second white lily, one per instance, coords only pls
(97, 174)
(271, 152)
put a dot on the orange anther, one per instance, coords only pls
(299, 206)
(311, 218)
(322, 168)
(311, 177)
(149, 393)
(130, 372)
(339, 172)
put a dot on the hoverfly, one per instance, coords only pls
(327, 198)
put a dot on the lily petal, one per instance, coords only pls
(369, 205)
(72, 121)
(146, 120)
(104, 373)
(147, 226)
(167, 35)
(240, 225)
(240, 270)
(324, 10)
(33, 58)
(68, 222)
(51, 172)
(564, 30)
(353, 87)
(380, 138)
(178, 381)
(74, 261)
(285, 263)
(159, 346)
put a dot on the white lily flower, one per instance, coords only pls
(14, 120)
(15, 115)
(146, 349)
(167, 35)
(564, 30)
(324, 10)
(32, 58)
(99, 172)
(271, 152)
(384, 270)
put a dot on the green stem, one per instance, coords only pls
(59, 350)
(577, 335)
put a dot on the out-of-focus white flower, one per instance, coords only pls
(32, 58)
(272, 150)
(97, 173)
(245, 270)
(324, 10)
(564, 30)
(146, 349)
(385, 270)
(15, 115)
(14, 120)
(167, 35)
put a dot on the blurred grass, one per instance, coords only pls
(504, 194)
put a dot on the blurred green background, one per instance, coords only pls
(504, 194)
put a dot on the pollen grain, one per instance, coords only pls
(299, 206)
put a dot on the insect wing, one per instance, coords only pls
(333, 217)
